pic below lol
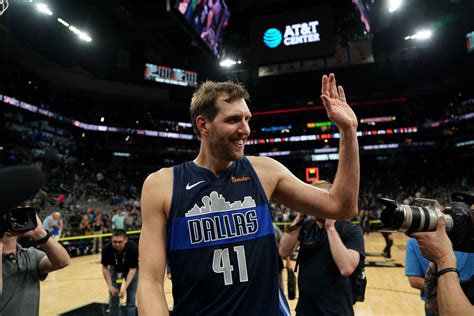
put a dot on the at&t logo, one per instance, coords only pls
(295, 34)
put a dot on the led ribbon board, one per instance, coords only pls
(174, 76)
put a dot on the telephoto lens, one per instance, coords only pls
(409, 219)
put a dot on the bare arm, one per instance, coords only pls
(289, 241)
(282, 186)
(345, 259)
(417, 282)
(346, 183)
(341, 202)
(108, 280)
(56, 256)
(155, 199)
(451, 298)
(436, 247)
(129, 279)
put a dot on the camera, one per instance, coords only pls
(458, 216)
(18, 220)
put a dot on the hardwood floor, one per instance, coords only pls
(388, 291)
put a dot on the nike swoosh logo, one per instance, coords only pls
(189, 187)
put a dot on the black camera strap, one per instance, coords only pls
(123, 261)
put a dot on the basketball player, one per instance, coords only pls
(210, 217)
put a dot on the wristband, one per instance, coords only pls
(446, 270)
(44, 239)
(295, 226)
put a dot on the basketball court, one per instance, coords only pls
(73, 290)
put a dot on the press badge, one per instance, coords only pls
(119, 278)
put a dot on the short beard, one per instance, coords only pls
(220, 151)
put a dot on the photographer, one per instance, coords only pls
(329, 253)
(119, 268)
(436, 247)
(23, 268)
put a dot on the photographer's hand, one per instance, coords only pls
(329, 224)
(37, 233)
(436, 246)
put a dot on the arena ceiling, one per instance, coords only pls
(126, 34)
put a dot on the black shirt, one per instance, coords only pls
(111, 257)
(323, 290)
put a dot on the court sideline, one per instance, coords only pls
(388, 291)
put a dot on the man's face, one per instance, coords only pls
(229, 130)
(119, 242)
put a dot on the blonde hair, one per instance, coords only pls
(204, 100)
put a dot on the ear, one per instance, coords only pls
(201, 125)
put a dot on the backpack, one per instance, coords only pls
(358, 279)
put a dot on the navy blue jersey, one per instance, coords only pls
(221, 245)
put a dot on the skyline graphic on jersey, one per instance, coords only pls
(215, 203)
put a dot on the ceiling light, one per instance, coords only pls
(43, 8)
(74, 29)
(394, 5)
(85, 37)
(63, 22)
(102, 119)
(227, 62)
(420, 35)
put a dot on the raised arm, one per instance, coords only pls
(156, 194)
(346, 184)
(341, 201)
(289, 241)
(56, 256)
(345, 259)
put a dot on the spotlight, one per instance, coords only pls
(420, 35)
(394, 5)
(227, 63)
(43, 8)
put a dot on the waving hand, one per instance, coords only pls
(334, 100)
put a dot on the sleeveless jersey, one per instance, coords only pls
(221, 246)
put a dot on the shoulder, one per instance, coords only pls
(356, 230)
(157, 189)
(32, 253)
(132, 245)
(268, 169)
(158, 178)
(348, 230)
(107, 248)
(263, 162)
(412, 245)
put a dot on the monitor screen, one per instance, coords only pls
(364, 7)
(470, 42)
(294, 35)
(207, 19)
(174, 76)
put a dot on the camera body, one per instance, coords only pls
(18, 220)
(458, 216)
